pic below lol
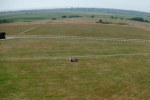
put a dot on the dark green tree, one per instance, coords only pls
(64, 16)
(92, 16)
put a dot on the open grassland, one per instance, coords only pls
(54, 48)
(39, 69)
(79, 27)
(14, 28)
(114, 31)
(31, 16)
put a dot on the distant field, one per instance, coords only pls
(39, 69)
(92, 30)
(78, 28)
(28, 16)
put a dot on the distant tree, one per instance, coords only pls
(147, 21)
(92, 16)
(140, 19)
(53, 18)
(103, 22)
(112, 17)
(121, 18)
(5, 21)
(64, 16)
(115, 17)
(100, 21)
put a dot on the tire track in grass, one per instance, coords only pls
(77, 56)
(28, 30)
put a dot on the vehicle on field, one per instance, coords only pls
(2, 35)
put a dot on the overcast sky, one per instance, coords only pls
(138, 5)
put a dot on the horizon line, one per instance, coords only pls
(15, 10)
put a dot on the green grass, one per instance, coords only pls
(15, 29)
(115, 31)
(94, 78)
(39, 69)
(62, 47)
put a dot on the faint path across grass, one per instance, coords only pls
(28, 30)
(78, 56)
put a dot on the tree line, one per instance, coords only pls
(5, 21)
(140, 19)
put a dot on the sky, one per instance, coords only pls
(11, 5)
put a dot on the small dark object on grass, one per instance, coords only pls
(2, 35)
(73, 59)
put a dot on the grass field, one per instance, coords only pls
(39, 69)
(115, 31)
(44, 71)
(14, 29)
